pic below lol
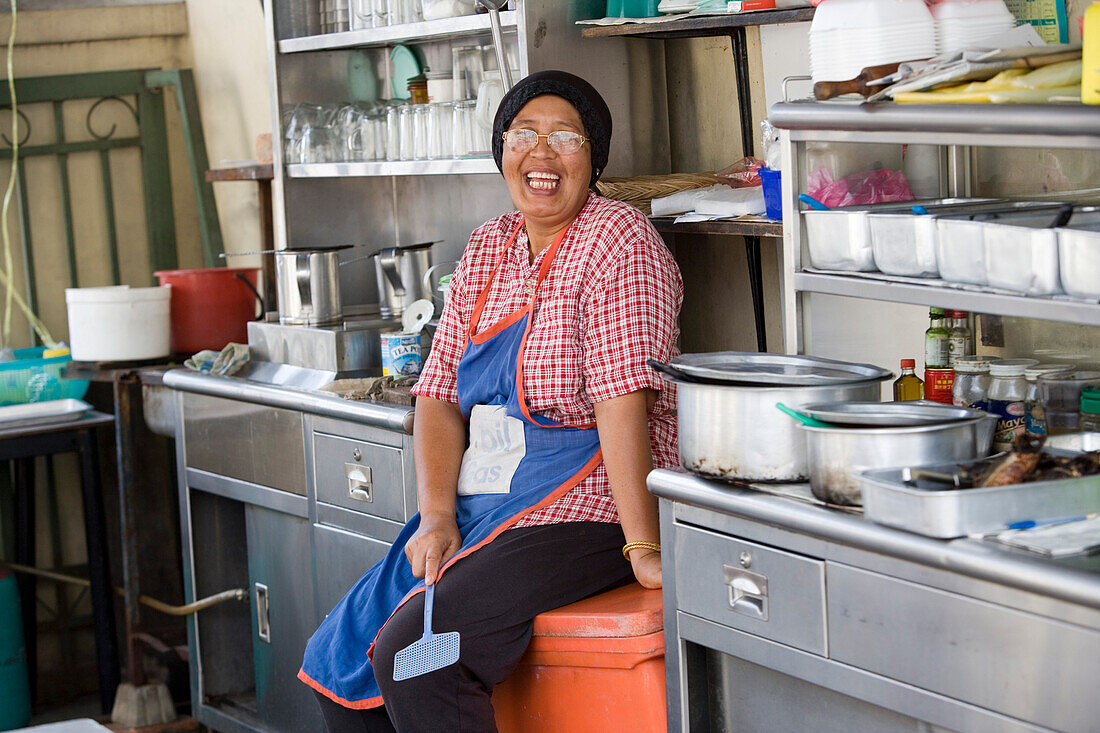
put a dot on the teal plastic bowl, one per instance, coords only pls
(30, 378)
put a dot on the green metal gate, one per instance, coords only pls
(108, 98)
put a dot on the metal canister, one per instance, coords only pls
(938, 384)
(401, 353)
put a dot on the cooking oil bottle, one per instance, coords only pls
(908, 386)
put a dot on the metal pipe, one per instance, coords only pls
(234, 594)
(494, 6)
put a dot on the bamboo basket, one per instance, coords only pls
(639, 191)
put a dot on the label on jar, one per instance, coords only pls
(1011, 421)
(401, 354)
(1035, 421)
(938, 384)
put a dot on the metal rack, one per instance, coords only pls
(955, 127)
(443, 29)
(732, 25)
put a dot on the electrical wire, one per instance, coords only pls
(7, 272)
(8, 266)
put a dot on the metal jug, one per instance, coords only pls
(402, 274)
(308, 287)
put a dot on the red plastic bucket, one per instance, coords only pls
(211, 306)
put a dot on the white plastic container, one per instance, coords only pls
(1079, 260)
(119, 323)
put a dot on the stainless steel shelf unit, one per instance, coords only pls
(445, 28)
(955, 127)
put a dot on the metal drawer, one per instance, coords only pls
(1019, 664)
(757, 589)
(340, 559)
(361, 476)
(255, 443)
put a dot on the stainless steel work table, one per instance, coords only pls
(293, 493)
(779, 610)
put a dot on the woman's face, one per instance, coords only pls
(548, 188)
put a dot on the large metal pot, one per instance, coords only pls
(308, 286)
(838, 455)
(736, 432)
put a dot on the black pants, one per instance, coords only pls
(491, 599)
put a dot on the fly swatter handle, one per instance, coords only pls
(429, 599)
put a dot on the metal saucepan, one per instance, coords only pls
(837, 455)
(889, 414)
(734, 432)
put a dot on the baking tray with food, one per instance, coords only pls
(1031, 482)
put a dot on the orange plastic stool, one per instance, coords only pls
(596, 665)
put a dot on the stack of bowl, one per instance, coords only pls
(847, 36)
(965, 23)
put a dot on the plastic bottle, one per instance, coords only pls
(936, 341)
(959, 336)
(1090, 56)
(908, 386)
(1034, 420)
(1090, 410)
(1007, 392)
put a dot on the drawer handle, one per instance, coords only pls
(748, 592)
(360, 485)
(263, 625)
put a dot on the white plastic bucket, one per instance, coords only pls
(119, 323)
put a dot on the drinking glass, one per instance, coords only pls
(420, 113)
(346, 126)
(316, 145)
(440, 144)
(405, 140)
(393, 133)
(463, 129)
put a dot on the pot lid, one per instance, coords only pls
(889, 414)
(775, 369)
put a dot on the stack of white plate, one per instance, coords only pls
(849, 35)
(965, 23)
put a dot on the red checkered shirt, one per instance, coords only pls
(609, 302)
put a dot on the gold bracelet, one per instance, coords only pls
(639, 545)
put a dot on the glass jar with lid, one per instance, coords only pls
(971, 388)
(1034, 420)
(1090, 410)
(1007, 393)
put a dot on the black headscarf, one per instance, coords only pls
(590, 105)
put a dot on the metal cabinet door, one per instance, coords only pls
(341, 557)
(283, 617)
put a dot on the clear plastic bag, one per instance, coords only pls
(741, 174)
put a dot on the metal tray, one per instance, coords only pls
(42, 413)
(934, 511)
(890, 414)
(744, 367)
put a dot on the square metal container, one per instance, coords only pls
(946, 513)
(904, 243)
(1079, 254)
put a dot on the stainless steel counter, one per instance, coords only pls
(779, 611)
(1076, 580)
(377, 414)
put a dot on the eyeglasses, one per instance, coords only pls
(561, 142)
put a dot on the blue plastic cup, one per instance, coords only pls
(773, 192)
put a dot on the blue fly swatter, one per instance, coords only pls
(430, 652)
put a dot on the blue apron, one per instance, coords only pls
(516, 463)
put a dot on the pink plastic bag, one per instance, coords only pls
(877, 186)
